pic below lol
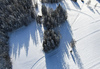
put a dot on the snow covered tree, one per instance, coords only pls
(44, 10)
(51, 40)
(50, 1)
(75, 0)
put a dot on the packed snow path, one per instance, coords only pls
(83, 25)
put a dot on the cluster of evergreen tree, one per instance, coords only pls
(51, 19)
(51, 40)
(50, 1)
(13, 15)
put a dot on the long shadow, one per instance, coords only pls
(77, 58)
(55, 59)
(67, 37)
(91, 9)
(98, 1)
(76, 5)
(73, 58)
(65, 5)
(97, 11)
(21, 38)
(51, 5)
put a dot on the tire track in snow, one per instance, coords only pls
(88, 35)
(82, 13)
(94, 65)
(78, 13)
(50, 54)
(77, 16)
(93, 60)
(37, 61)
(40, 59)
(86, 25)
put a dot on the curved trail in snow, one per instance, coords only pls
(37, 61)
(70, 59)
(40, 60)
(94, 32)
(79, 14)
(87, 24)
(76, 11)
(94, 65)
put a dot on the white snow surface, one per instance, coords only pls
(83, 25)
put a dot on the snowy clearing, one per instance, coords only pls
(83, 25)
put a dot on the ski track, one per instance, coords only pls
(75, 56)
(94, 65)
(88, 35)
(79, 14)
(37, 62)
(93, 61)
(86, 25)
(50, 54)
(66, 5)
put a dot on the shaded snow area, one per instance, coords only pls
(82, 25)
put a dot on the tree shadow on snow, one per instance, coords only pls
(76, 58)
(98, 1)
(97, 11)
(55, 59)
(51, 5)
(76, 5)
(91, 9)
(21, 38)
(65, 5)
(73, 58)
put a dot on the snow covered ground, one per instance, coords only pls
(83, 25)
